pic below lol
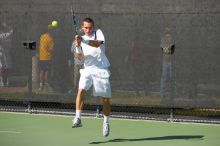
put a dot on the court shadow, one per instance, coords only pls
(174, 137)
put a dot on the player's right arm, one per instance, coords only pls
(78, 49)
(79, 56)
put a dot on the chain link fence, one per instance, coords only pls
(147, 82)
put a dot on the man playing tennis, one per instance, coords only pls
(91, 48)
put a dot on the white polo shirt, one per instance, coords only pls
(95, 57)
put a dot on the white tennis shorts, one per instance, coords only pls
(98, 78)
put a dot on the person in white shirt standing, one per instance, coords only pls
(5, 58)
(91, 48)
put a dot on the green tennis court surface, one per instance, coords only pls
(48, 130)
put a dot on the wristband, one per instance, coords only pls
(79, 50)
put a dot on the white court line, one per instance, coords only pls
(10, 132)
(135, 120)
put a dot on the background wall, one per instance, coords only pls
(128, 23)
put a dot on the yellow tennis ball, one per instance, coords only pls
(54, 23)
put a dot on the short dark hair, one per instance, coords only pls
(89, 20)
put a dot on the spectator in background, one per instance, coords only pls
(5, 58)
(167, 78)
(135, 59)
(45, 53)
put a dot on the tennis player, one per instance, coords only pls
(91, 48)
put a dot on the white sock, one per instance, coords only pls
(78, 113)
(106, 119)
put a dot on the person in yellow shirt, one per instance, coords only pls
(45, 52)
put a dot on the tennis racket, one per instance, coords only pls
(74, 20)
(75, 25)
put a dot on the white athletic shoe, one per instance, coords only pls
(77, 123)
(106, 129)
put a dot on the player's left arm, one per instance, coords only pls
(95, 43)
(100, 39)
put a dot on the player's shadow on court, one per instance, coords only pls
(175, 137)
